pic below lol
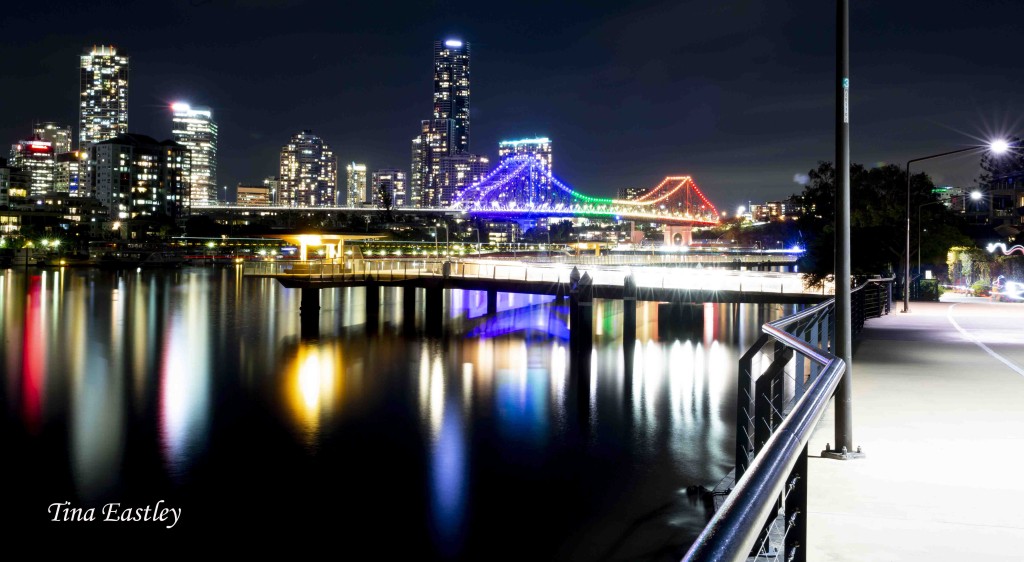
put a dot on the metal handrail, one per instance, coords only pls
(735, 528)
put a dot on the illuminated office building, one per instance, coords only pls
(194, 128)
(35, 156)
(309, 172)
(103, 101)
(355, 185)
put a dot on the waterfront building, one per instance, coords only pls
(392, 181)
(103, 101)
(309, 172)
(194, 128)
(36, 156)
(355, 185)
(136, 176)
(252, 195)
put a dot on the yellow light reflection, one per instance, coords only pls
(313, 389)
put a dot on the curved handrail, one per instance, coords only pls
(734, 529)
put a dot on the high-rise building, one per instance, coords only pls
(309, 172)
(393, 182)
(447, 133)
(36, 156)
(103, 104)
(451, 89)
(536, 187)
(58, 136)
(355, 185)
(194, 128)
(135, 175)
(457, 172)
(433, 143)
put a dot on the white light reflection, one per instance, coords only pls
(185, 381)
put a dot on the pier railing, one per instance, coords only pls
(765, 513)
(648, 276)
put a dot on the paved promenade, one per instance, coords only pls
(939, 411)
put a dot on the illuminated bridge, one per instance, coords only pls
(524, 187)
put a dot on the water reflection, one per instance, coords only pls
(198, 376)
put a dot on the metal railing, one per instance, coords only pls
(765, 514)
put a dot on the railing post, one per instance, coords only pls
(744, 403)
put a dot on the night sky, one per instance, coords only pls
(737, 94)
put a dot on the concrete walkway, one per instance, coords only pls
(939, 410)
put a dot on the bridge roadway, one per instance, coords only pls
(653, 283)
(938, 406)
(626, 213)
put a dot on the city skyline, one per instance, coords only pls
(653, 105)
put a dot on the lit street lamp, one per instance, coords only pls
(996, 147)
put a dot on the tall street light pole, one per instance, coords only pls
(844, 323)
(997, 147)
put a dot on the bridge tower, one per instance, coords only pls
(678, 235)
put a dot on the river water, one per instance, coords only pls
(193, 388)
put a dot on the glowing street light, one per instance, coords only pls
(975, 195)
(997, 147)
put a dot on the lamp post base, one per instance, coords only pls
(842, 455)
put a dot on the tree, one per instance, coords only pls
(385, 202)
(878, 220)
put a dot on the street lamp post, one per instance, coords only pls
(997, 147)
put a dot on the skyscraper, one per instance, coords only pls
(447, 133)
(309, 172)
(103, 104)
(355, 185)
(194, 128)
(451, 89)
